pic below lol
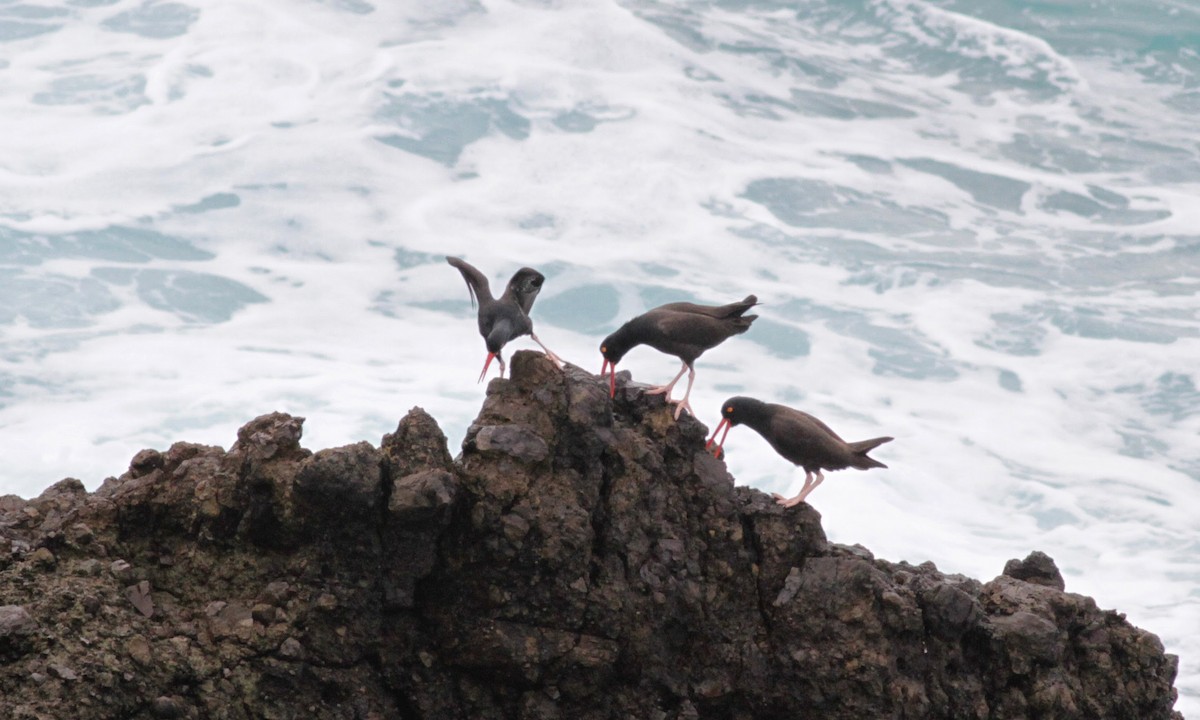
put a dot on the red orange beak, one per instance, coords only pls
(485, 366)
(610, 368)
(716, 452)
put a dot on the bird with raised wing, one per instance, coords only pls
(504, 318)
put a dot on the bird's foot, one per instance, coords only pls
(659, 390)
(788, 502)
(681, 405)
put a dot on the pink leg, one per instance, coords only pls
(667, 388)
(805, 493)
(809, 486)
(553, 358)
(684, 404)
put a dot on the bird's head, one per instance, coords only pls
(612, 349)
(734, 411)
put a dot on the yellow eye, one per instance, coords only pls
(603, 349)
(729, 409)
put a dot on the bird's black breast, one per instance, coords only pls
(501, 322)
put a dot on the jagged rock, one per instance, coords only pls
(145, 462)
(1037, 568)
(583, 558)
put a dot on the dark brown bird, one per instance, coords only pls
(682, 329)
(507, 317)
(800, 438)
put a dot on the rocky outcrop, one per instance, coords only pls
(583, 558)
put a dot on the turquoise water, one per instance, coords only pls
(973, 226)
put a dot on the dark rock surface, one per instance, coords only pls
(1037, 568)
(584, 558)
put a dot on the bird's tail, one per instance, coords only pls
(735, 313)
(738, 309)
(860, 450)
(742, 324)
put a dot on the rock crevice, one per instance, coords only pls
(582, 558)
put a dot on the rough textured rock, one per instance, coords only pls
(1037, 568)
(583, 558)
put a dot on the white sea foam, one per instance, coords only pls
(968, 234)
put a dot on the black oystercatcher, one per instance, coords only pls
(507, 317)
(682, 329)
(799, 438)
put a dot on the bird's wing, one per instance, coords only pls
(674, 323)
(686, 335)
(789, 422)
(523, 288)
(714, 311)
(477, 283)
(525, 300)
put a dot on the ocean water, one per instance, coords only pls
(973, 226)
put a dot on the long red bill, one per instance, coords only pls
(610, 368)
(723, 424)
(485, 366)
